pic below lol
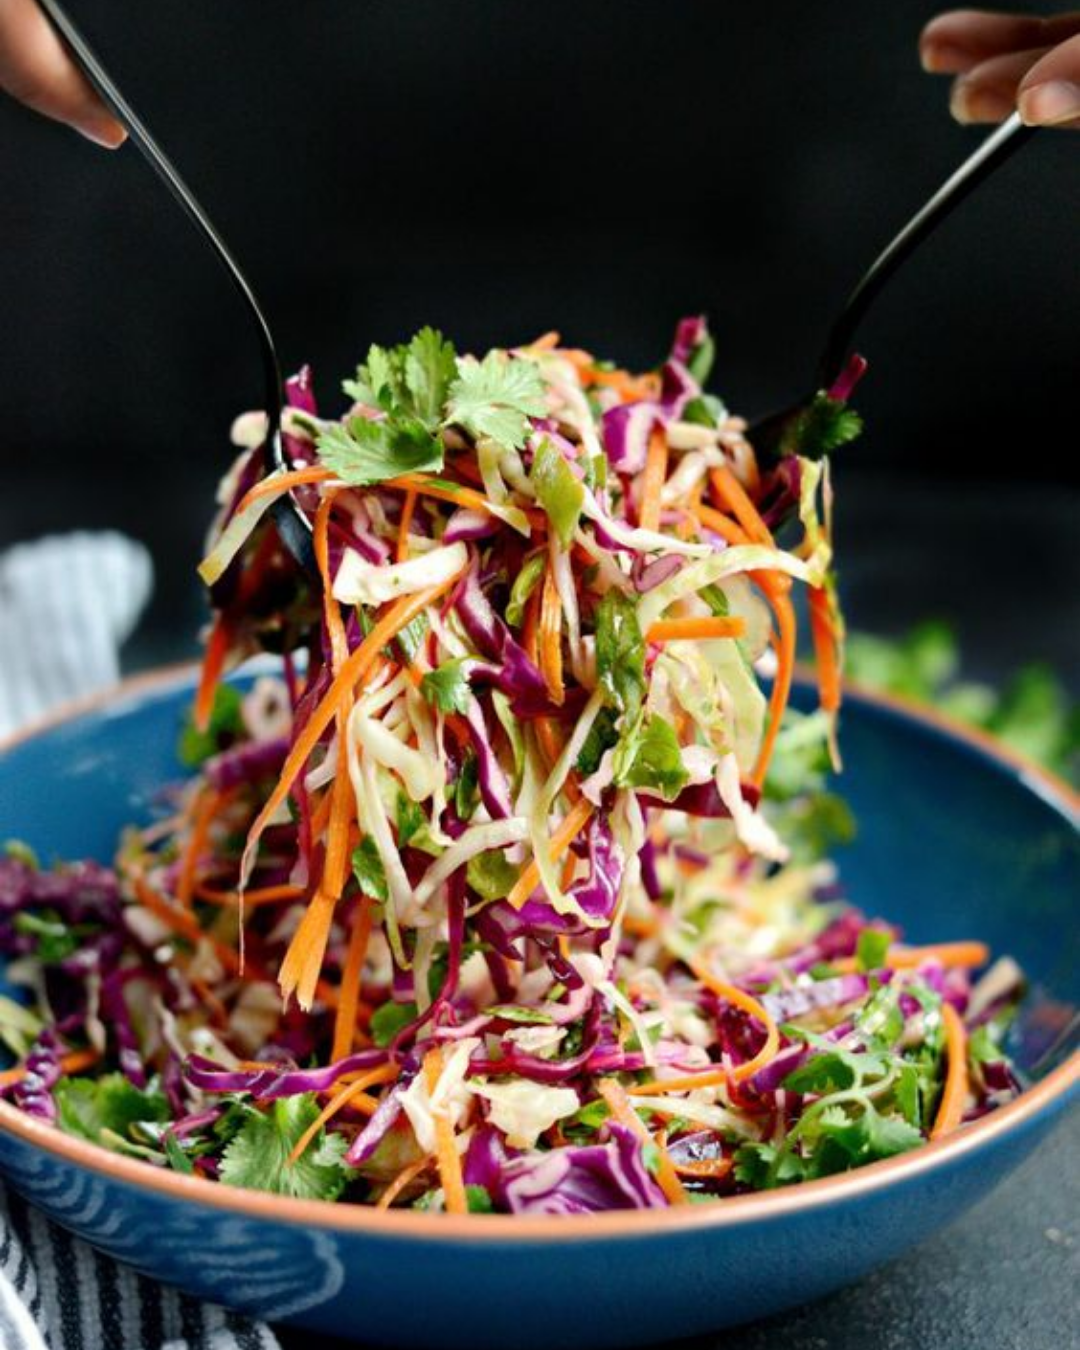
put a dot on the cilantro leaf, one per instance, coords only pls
(380, 382)
(490, 875)
(872, 948)
(226, 723)
(478, 1200)
(880, 1022)
(649, 756)
(558, 490)
(55, 938)
(496, 397)
(822, 427)
(467, 787)
(257, 1158)
(409, 818)
(430, 368)
(447, 687)
(389, 1019)
(366, 451)
(524, 584)
(89, 1107)
(620, 652)
(369, 871)
(602, 737)
(829, 1072)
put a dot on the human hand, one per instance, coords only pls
(1007, 63)
(36, 69)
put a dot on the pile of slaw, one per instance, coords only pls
(507, 892)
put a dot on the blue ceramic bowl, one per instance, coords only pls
(955, 841)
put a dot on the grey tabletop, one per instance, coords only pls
(1005, 1276)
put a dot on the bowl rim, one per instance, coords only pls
(1055, 1089)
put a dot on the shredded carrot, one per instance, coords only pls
(345, 1019)
(573, 823)
(781, 690)
(182, 922)
(640, 927)
(551, 663)
(262, 895)
(624, 1113)
(547, 735)
(359, 662)
(949, 954)
(335, 626)
(210, 805)
(408, 507)
(954, 1094)
(213, 665)
(826, 650)
(444, 492)
(546, 342)
(686, 1083)
(721, 525)
(385, 1073)
(530, 627)
(731, 494)
(653, 478)
(280, 483)
(405, 1177)
(446, 1154)
(739, 998)
(303, 960)
(712, 1168)
(70, 1063)
(699, 627)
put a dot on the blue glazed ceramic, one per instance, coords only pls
(955, 841)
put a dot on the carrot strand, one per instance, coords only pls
(653, 478)
(70, 1063)
(446, 1154)
(213, 666)
(622, 1111)
(279, 483)
(697, 628)
(356, 666)
(781, 690)
(405, 1177)
(551, 662)
(739, 998)
(345, 1019)
(573, 823)
(384, 1073)
(954, 1093)
(408, 508)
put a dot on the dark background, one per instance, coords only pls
(500, 167)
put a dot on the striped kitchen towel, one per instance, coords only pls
(66, 606)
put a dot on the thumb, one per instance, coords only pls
(1049, 94)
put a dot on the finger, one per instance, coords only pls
(987, 93)
(1050, 91)
(35, 69)
(956, 42)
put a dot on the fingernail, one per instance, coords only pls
(1050, 104)
(938, 58)
(103, 130)
(970, 102)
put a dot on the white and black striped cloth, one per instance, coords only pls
(66, 606)
(57, 1293)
